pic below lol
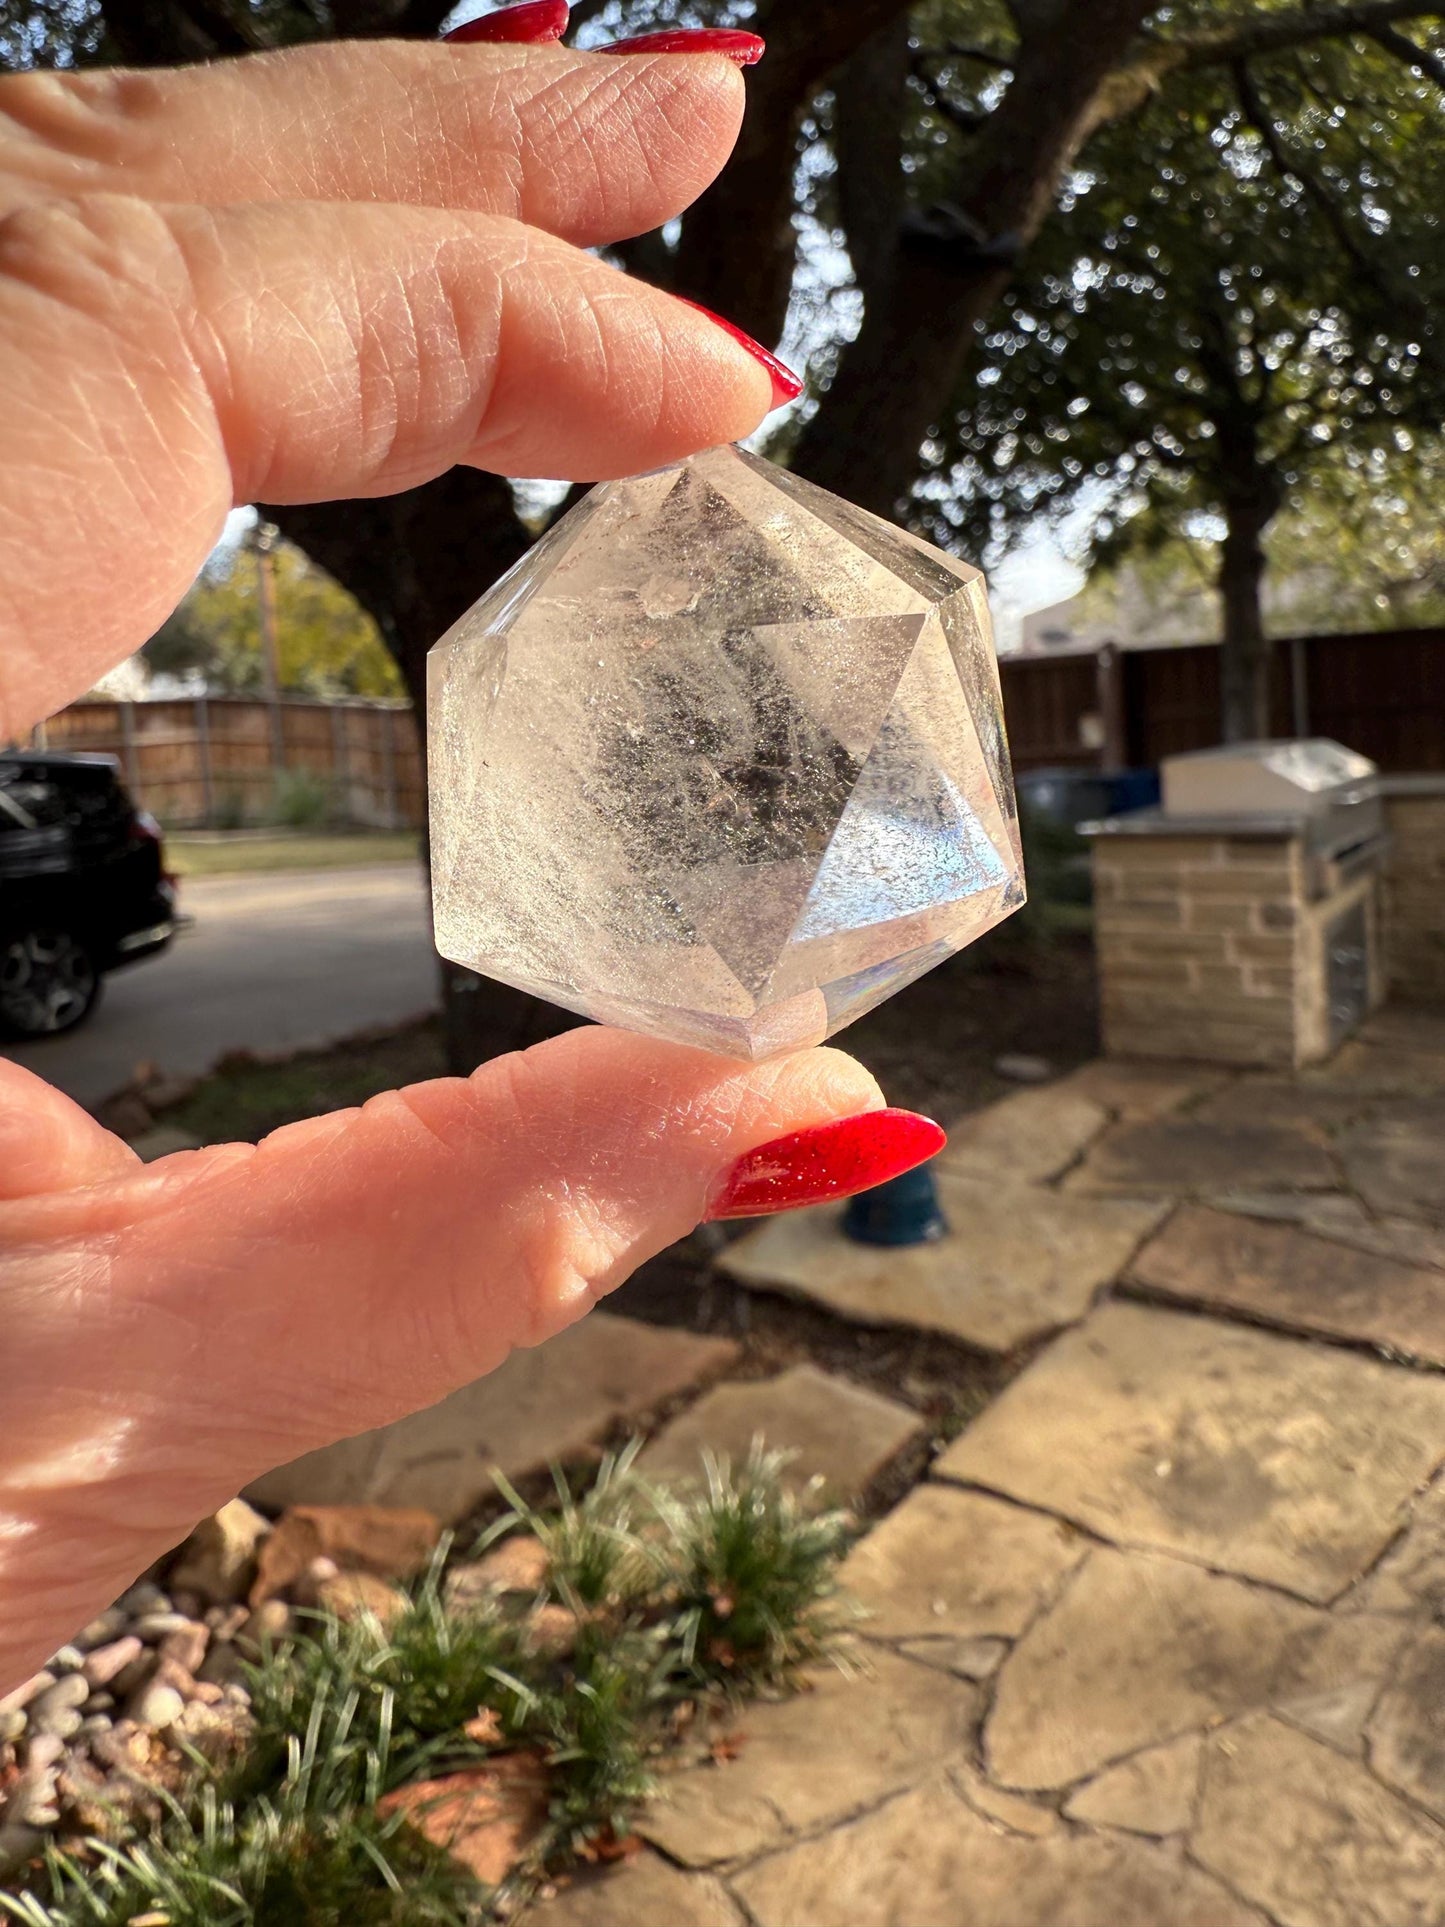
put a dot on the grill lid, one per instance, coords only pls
(1308, 778)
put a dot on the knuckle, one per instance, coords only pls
(110, 257)
(59, 130)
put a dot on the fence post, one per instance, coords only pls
(1114, 750)
(203, 758)
(388, 766)
(1299, 686)
(127, 747)
(340, 787)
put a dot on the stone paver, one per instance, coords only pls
(1180, 1157)
(1313, 1837)
(1017, 1263)
(1271, 1457)
(928, 1859)
(1140, 1650)
(837, 1432)
(1410, 1579)
(1407, 1727)
(1133, 1089)
(814, 1759)
(958, 1565)
(1397, 1162)
(543, 1405)
(645, 1892)
(1388, 1068)
(1316, 1110)
(1024, 1139)
(1337, 1215)
(1153, 1793)
(1215, 1259)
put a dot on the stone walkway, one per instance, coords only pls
(1159, 1639)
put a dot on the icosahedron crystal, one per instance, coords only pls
(721, 759)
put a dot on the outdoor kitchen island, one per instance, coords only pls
(1238, 922)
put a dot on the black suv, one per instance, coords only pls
(83, 887)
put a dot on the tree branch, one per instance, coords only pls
(1430, 63)
(1273, 33)
(1257, 113)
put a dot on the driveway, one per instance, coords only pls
(271, 962)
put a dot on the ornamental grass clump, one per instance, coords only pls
(651, 1603)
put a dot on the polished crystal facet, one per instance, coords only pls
(722, 759)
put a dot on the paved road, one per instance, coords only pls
(271, 961)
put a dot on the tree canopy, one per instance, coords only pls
(1236, 296)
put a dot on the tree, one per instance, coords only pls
(1236, 300)
(937, 139)
(1361, 547)
(327, 644)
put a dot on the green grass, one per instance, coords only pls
(246, 1100)
(676, 1599)
(201, 857)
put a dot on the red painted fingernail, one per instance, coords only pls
(745, 48)
(534, 20)
(830, 1161)
(786, 385)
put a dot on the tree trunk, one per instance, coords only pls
(1245, 650)
(900, 377)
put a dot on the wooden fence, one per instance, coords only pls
(1381, 692)
(225, 761)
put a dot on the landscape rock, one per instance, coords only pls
(135, 1673)
(18, 1845)
(486, 1817)
(1015, 1264)
(29, 1689)
(808, 1760)
(1153, 1792)
(49, 1712)
(1020, 1068)
(105, 1628)
(156, 1706)
(1281, 1460)
(518, 1564)
(547, 1404)
(837, 1432)
(929, 1858)
(388, 1542)
(12, 1724)
(224, 1665)
(186, 1646)
(1312, 1837)
(1137, 1650)
(959, 1564)
(1027, 1138)
(218, 1561)
(267, 1627)
(1282, 1274)
(66, 1659)
(359, 1595)
(142, 1598)
(154, 1627)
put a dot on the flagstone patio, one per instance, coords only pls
(1156, 1639)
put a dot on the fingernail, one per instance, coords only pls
(534, 20)
(745, 48)
(830, 1161)
(786, 385)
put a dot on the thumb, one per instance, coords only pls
(357, 1266)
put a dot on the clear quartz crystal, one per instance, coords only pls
(722, 759)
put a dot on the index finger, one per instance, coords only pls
(590, 147)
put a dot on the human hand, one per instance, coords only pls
(335, 272)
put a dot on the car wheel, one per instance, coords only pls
(48, 982)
